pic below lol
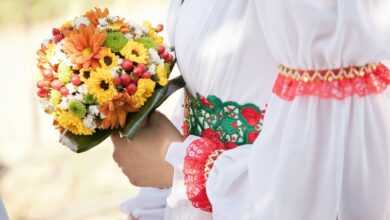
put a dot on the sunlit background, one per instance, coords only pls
(39, 178)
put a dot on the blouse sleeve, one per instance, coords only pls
(149, 204)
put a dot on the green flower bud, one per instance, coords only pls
(77, 108)
(116, 41)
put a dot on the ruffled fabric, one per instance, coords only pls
(373, 79)
(178, 205)
(200, 158)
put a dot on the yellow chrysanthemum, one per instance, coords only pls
(72, 123)
(85, 74)
(162, 74)
(107, 58)
(153, 34)
(135, 52)
(145, 89)
(101, 85)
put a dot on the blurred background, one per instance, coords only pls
(39, 178)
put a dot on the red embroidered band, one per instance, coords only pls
(332, 84)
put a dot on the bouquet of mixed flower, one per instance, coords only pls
(102, 73)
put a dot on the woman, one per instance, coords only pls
(323, 153)
(222, 55)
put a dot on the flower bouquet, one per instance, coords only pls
(101, 73)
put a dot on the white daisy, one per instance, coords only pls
(64, 103)
(155, 58)
(71, 88)
(89, 122)
(152, 69)
(129, 36)
(78, 21)
(103, 22)
(93, 110)
(82, 89)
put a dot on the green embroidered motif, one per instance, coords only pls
(233, 123)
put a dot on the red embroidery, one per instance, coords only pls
(200, 158)
(337, 84)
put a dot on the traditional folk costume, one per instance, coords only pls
(322, 151)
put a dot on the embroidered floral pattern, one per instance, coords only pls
(222, 126)
(229, 122)
(332, 84)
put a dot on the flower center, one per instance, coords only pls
(86, 52)
(107, 60)
(86, 74)
(104, 85)
(135, 52)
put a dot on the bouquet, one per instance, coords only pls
(101, 73)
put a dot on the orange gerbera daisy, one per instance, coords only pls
(116, 111)
(83, 46)
(95, 14)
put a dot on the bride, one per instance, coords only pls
(321, 150)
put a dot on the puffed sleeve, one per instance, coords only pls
(149, 204)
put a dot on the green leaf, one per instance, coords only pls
(82, 143)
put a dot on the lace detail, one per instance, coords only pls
(200, 157)
(332, 84)
(222, 126)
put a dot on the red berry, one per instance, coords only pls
(161, 50)
(48, 74)
(117, 81)
(125, 80)
(76, 80)
(159, 28)
(139, 70)
(58, 38)
(43, 84)
(64, 91)
(169, 58)
(56, 31)
(127, 65)
(56, 84)
(43, 93)
(131, 89)
(146, 75)
(165, 55)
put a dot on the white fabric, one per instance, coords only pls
(220, 51)
(149, 204)
(315, 159)
(3, 212)
(324, 159)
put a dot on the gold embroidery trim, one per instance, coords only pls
(326, 75)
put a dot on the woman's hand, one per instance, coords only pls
(142, 159)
